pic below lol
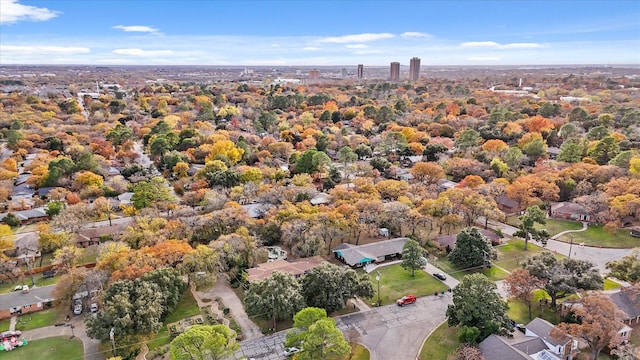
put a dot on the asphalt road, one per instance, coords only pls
(390, 332)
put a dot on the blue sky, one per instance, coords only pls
(313, 32)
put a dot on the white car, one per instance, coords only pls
(94, 307)
(77, 308)
(291, 350)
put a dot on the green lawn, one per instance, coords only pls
(186, 307)
(39, 319)
(7, 286)
(598, 235)
(519, 312)
(358, 352)
(553, 226)
(610, 284)
(441, 344)
(4, 324)
(53, 348)
(512, 254)
(395, 282)
(89, 255)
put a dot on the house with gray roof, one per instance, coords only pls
(361, 255)
(496, 348)
(570, 211)
(29, 216)
(20, 303)
(629, 303)
(563, 346)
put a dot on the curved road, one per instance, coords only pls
(598, 256)
(91, 346)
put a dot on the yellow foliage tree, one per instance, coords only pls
(225, 149)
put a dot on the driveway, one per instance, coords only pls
(229, 298)
(91, 349)
(390, 332)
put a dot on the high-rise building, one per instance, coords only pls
(314, 74)
(343, 73)
(395, 71)
(360, 71)
(414, 69)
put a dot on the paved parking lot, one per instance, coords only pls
(390, 332)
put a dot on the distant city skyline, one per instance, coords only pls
(319, 33)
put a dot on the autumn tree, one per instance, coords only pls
(527, 230)
(469, 352)
(599, 323)
(520, 284)
(427, 172)
(66, 257)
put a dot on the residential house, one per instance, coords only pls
(20, 303)
(629, 302)
(29, 216)
(507, 205)
(445, 184)
(570, 211)
(361, 255)
(536, 344)
(256, 210)
(450, 240)
(553, 152)
(93, 236)
(564, 346)
(296, 268)
(496, 348)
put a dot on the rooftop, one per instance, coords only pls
(297, 268)
(35, 295)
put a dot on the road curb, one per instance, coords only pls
(425, 339)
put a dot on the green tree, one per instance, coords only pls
(476, 303)
(535, 149)
(279, 296)
(153, 193)
(54, 208)
(513, 157)
(203, 260)
(413, 256)
(329, 286)
(301, 322)
(170, 284)
(571, 151)
(468, 138)
(431, 151)
(204, 342)
(563, 277)
(304, 163)
(323, 340)
(527, 230)
(472, 249)
(578, 115)
(627, 268)
(605, 150)
(346, 156)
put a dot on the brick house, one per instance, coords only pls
(19, 303)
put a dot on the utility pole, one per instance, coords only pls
(378, 279)
(113, 341)
(570, 244)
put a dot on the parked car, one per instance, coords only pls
(440, 276)
(405, 300)
(291, 350)
(48, 274)
(94, 307)
(77, 308)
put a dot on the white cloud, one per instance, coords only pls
(414, 34)
(495, 45)
(310, 48)
(12, 12)
(480, 44)
(140, 52)
(484, 58)
(137, 28)
(356, 38)
(367, 52)
(42, 50)
(356, 46)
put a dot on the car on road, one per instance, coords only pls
(406, 300)
(291, 350)
(440, 276)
